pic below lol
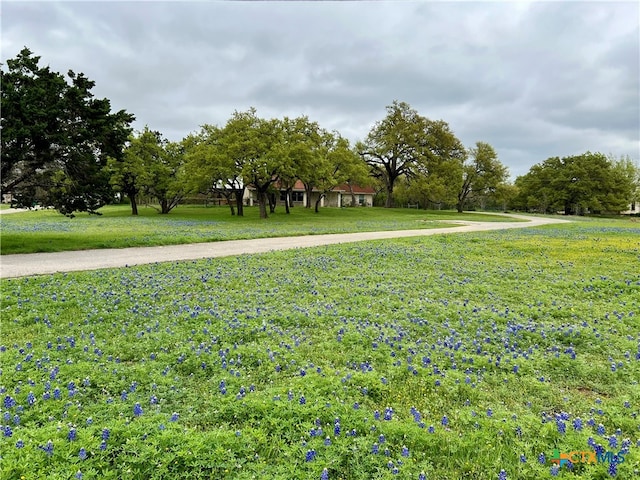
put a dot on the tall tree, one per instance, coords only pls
(130, 173)
(256, 146)
(482, 172)
(165, 176)
(56, 137)
(210, 169)
(405, 143)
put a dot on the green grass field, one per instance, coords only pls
(48, 231)
(462, 356)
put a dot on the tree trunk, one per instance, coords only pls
(459, 207)
(353, 196)
(164, 206)
(272, 202)
(318, 202)
(389, 200)
(287, 198)
(239, 193)
(134, 205)
(262, 202)
(308, 190)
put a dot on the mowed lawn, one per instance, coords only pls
(48, 231)
(478, 356)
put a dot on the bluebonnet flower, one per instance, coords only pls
(153, 400)
(174, 417)
(613, 469)
(432, 429)
(302, 400)
(562, 427)
(9, 402)
(31, 398)
(82, 454)
(137, 410)
(542, 459)
(555, 470)
(78, 475)
(375, 448)
(327, 441)
(388, 413)
(376, 415)
(422, 476)
(56, 394)
(48, 448)
(445, 420)
(6, 431)
(71, 436)
(502, 475)
(89, 421)
(105, 434)
(103, 445)
(613, 441)
(222, 387)
(324, 475)
(16, 419)
(20, 444)
(381, 438)
(405, 451)
(490, 414)
(600, 430)
(336, 429)
(577, 424)
(311, 454)
(523, 459)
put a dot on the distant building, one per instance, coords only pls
(634, 209)
(340, 196)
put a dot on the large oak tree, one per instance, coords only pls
(405, 144)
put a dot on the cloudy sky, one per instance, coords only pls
(534, 79)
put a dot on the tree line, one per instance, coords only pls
(62, 147)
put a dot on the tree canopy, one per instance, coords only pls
(56, 137)
(578, 184)
(405, 144)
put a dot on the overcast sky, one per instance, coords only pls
(533, 79)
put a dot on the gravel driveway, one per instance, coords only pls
(21, 265)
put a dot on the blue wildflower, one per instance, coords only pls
(137, 410)
(20, 444)
(555, 470)
(82, 454)
(105, 434)
(375, 449)
(48, 448)
(174, 417)
(502, 475)
(311, 454)
(71, 436)
(445, 420)
(324, 475)
(405, 451)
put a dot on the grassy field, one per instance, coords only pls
(479, 356)
(48, 231)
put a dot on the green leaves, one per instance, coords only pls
(56, 137)
(586, 183)
(406, 144)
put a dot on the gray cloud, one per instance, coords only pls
(533, 79)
